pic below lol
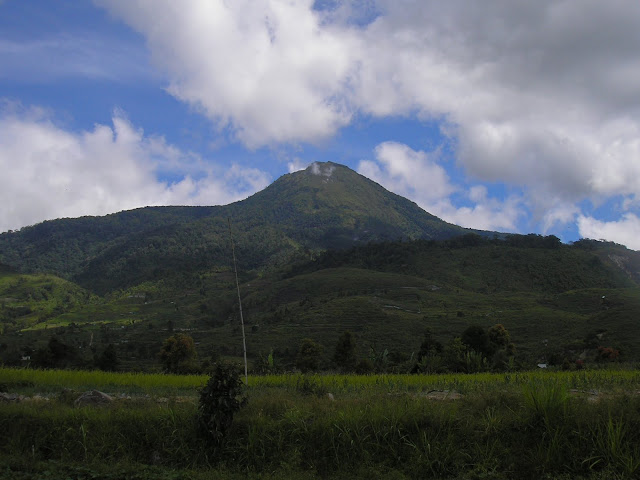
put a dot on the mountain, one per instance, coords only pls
(331, 206)
(325, 206)
(319, 251)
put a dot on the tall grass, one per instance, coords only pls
(525, 425)
(78, 379)
(610, 380)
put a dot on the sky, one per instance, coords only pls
(515, 116)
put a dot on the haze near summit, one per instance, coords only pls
(512, 116)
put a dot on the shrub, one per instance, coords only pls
(309, 355)
(178, 354)
(220, 399)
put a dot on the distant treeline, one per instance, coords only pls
(375, 255)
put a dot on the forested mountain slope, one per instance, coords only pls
(325, 206)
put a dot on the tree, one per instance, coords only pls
(455, 355)
(475, 337)
(108, 360)
(429, 346)
(220, 399)
(429, 359)
(308, 358)
(500, 347)
(57, 354)
(178, 354)
(266, 364)
(498, 336)
(345, 354)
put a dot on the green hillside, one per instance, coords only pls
(557, 301)
(27, 301)
(389, 294)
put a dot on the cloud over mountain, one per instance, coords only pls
(50, 172)
(542, 95)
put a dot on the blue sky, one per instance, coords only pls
(517, 116)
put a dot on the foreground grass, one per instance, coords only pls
(42, 381)
(530, 425)
(51, 380)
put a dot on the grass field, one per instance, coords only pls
(492, 426)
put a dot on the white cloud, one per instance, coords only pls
(544, 94)
(485, 214)
(561, 214)
(270, 70)
(625, 231)
(414, 174)
(49, 172)
(417, 175)
(296, 165)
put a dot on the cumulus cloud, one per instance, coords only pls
(272, 71)
(625, 231)
(542, 94)
(296, 165)
(419, 176)
(408, 172)
(561, 214)
(484, 213)
(545, 94)
(50, 172)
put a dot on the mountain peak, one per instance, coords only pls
(330, 205)
(322, 169)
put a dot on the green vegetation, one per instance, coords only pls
(178, 354)
(387, 295)
(515, 425)
(144, 276)
(220, 400)
(152, 290)
(298, 214)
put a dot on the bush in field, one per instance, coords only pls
(308, 358)
(429, 359)
(57, 354)
(429, 346)
(108, 360)
(364, 366)
(455, 355)
(476, 338)
(345, 353)
(178, 354)
(266, 364)
(220, 399)
(607, 354)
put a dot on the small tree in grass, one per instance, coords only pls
(345, 354)
(308, 358)
(108, 360)
(220, 399)
(476, 338)
(178, 354)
